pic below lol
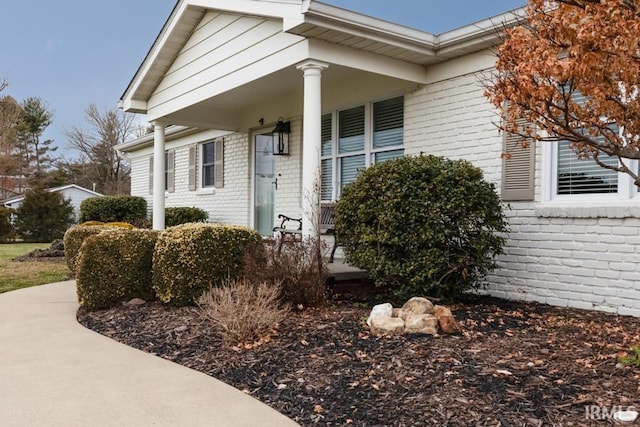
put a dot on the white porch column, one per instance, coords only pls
(158, 175)
(312, 144)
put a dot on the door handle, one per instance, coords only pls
(276, 181)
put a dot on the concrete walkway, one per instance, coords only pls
(54, 372)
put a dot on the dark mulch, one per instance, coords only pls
(515, 364)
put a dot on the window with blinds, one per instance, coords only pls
(388, 123)
(584, 176)
(356, 138)
(326, 165)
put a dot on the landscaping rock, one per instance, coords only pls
(380, 310)
(417, 316)
(386, 326)
(417, 305)
(421, 324)
(447, 322)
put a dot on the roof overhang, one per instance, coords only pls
(317, 22)
(171, 133)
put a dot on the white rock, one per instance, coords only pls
(417, 305)
(387, 326)
(380, 310)
(421, 324)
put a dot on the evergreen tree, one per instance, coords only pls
(43, 216)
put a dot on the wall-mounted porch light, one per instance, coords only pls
(280, 136)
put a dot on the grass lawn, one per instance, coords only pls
(18, 275)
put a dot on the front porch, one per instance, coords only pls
(340, 271)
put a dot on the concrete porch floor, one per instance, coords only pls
(340, 271)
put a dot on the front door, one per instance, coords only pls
(265, 176)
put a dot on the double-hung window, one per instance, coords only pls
(208, 164)
(355, 138)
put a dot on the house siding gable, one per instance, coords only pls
(221, 47)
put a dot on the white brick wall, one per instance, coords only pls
(229, 205)
(584, 257)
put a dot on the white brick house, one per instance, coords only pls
(357, 90)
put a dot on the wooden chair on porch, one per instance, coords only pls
(292, 227)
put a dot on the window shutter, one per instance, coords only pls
(171, 176)
(192, 167)
(518, 168)
(219, 164)
(151, 174)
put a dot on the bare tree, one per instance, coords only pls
(96, 143)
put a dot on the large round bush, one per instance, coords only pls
(191, 258)
(422, 225)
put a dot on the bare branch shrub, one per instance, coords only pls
(297, 268)
(243, 310)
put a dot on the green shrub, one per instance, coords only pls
(298, 269)
(43, 216)
(115, 266)
(7, 231)
(113, 209)
(176, 216)
(74, 237)
(422, 226)
(190, 258)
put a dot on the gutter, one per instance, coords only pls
(171, 133)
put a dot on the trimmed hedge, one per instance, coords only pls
(182, 215)
(115, 266)
(113, 209)
(422, 225)
(74, 237)
(190, 258)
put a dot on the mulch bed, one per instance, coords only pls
(514, 364)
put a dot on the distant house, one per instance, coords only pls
(353, 90)
(72, 192)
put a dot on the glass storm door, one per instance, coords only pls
(264, 185)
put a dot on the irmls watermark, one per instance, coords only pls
(617, 413)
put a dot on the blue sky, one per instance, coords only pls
(72, 53)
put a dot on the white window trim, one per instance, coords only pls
(369, 152)
(627, 191)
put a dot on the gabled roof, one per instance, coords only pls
(54, 190)
(316, 20)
